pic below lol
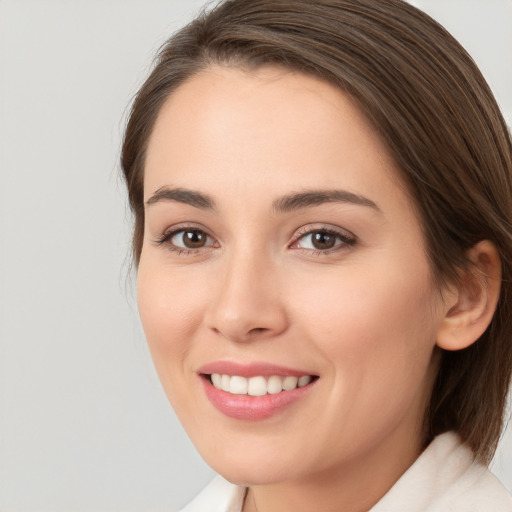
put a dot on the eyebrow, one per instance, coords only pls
(285, 204)
(182, 195)
(310, 198)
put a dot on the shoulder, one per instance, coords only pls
(446, 478)
(218, 496)
(479, 491)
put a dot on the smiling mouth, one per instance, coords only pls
(258, 385)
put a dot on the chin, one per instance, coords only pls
(252, 468)
(250, 475)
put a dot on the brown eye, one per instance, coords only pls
(322, 240)
(190, 239)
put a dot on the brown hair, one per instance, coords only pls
(438, 117)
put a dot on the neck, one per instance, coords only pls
(355, 487)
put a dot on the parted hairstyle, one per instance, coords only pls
(435, 112)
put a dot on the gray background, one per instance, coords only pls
(84, 425)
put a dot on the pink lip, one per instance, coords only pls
(245, 407)
(250, 370)
(251, 408)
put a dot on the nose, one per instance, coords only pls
(246, 304)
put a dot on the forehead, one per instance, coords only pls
(228, 126)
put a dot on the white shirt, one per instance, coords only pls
(444, 478)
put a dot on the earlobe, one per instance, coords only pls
(473, 301)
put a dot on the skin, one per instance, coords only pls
(363, 316)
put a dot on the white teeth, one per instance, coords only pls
(238, 385)
(217, 380)
(258, 386)
(290, 383)
(304, 381)
(274, 385)
(225, 383)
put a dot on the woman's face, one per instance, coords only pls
(280, 250)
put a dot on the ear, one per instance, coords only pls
(471, 304)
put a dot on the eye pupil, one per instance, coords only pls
(194, 239)
(322, 240)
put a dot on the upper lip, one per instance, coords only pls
(250, 369)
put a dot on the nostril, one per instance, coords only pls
(247, 321)
(257, 330)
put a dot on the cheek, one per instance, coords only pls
(170, 310)
(377, 327)
(378, 337)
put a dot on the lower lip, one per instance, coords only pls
(252, 408)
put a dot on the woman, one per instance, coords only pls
(322, 199)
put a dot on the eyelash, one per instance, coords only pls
(166, 238)
(346, 240)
